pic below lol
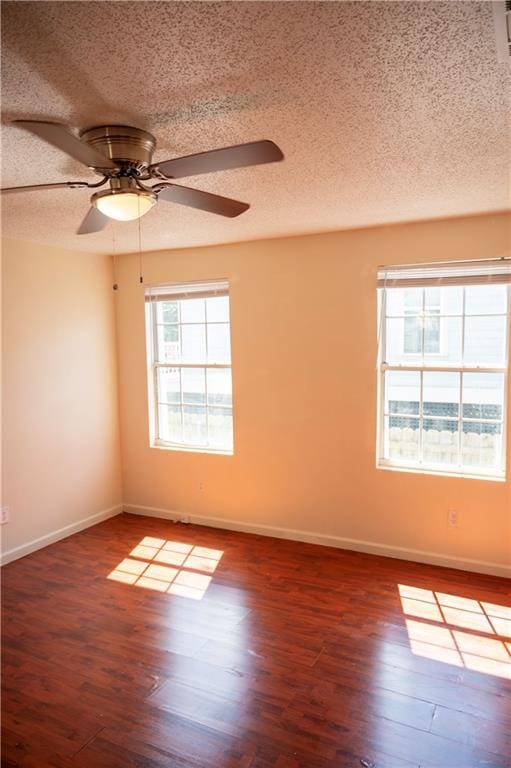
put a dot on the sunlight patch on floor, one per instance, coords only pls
(458, 630)
(168, 566)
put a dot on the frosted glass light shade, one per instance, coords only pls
(124, 206)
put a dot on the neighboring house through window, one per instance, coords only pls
(421, 320)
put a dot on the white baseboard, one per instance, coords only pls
(339, 542)
(166, 514)
(61, 533)
(357, 545)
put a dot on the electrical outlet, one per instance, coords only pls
(453, 518)
(202, 485)
(4, 515)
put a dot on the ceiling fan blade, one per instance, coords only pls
(205, 201)
(242, 155)
(35, 187)
(93, 222)
(58, 185)
(59, 136)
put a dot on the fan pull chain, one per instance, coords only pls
(114, 258)
(140, 277)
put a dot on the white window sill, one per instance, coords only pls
(497, 477)
(163, 446)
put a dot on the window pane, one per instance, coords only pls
(169, 385)
(431, 334)
(440, 441)
(220, 427)
(394, 301)
(170, 333)
(194, 425)
(441, 394)
(169, 347)
(402, 438)
(169, 423)
(217, 309)
(166, 311)
(395, 349)
(169, 312)
(432, 299)
(394, 340)
(402, 392)
(219, 386)
(194, 386)
(483, 396)
(413, 298)
(193, 310)
(450, 347)
(486, 299)
(485, 340)
(451, 300)
(413, 335)
(193, 343)
(219, 343)
(481, 444)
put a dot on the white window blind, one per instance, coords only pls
(484, 272)
(177, 292)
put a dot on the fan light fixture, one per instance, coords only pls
(124, 202)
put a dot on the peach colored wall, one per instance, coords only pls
(61, 458)
(303, 314)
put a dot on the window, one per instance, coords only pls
(443, 367)
(189, 356)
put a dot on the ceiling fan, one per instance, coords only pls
(122, 156)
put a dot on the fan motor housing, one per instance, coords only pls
(130, 148)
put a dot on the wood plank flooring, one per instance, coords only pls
(140, 643)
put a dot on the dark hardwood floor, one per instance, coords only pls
(142, 643)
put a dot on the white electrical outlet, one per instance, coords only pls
(4, 515)
(453, 518)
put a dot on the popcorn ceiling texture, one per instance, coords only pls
(385, 111)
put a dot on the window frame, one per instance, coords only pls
(428, 467)
(154, 365)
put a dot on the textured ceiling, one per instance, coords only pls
(385, 111)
